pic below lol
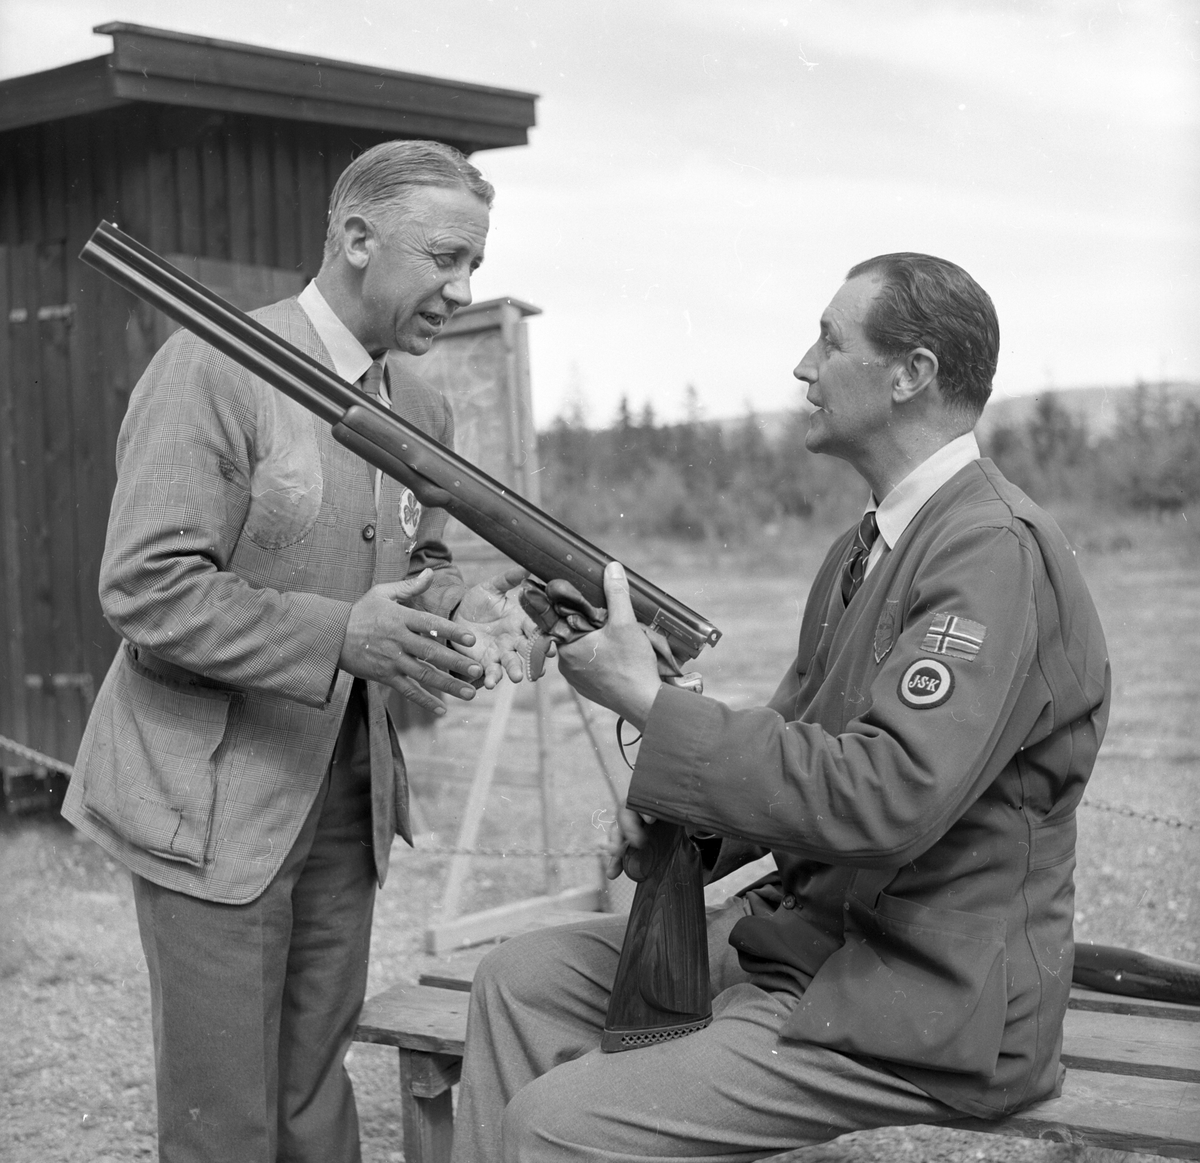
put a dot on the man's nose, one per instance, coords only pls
(458, 290)
(806, 369)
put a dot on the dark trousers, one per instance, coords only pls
(255, 1005)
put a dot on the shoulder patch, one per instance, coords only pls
(928, 682)
(957, 637)
(885, 631)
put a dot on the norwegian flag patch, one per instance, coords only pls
(954, 636)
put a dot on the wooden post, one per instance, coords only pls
(546, 788)
(425, 1105)
(481, 784)
(13, 719)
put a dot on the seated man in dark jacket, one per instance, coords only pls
(915, 778)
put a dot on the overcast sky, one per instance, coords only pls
(703, 172)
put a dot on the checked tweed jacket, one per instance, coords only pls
(237, 543)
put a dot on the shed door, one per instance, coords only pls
(44, 688)
(56, 644)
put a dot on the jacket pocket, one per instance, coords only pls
(155, 779)
(911, 984)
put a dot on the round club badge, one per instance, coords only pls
(410, 513)
(926, 683)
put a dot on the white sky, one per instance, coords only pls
(703, 172)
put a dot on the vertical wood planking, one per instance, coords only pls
(33, 523)
(262, 196)
(313, 197)
(216, 194)
(237, 167)
(10, 223)
(287, 227)
(339, 153)
(28, 165)
(54, 184)
(143, 186)
(163, 200)
(61, 700)
(131, 130)
(14, 721)
(189, 199)
(92, 196)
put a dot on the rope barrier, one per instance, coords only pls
(47, 761)
(518, 853)
(1133, 814)
(1098, 805)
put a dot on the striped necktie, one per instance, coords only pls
(372, 379)
(371, 382)
(855, 568)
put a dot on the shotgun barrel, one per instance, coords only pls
(523, 532)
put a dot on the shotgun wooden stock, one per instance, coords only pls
(662, 990)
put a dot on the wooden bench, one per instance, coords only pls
(1133, 1069)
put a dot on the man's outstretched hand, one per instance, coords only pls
(614, 666)
(409, 650)
(491, 612)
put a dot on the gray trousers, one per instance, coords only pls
(254, 1005)
(536, 1086)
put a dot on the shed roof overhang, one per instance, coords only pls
(173, 68)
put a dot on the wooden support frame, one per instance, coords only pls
(452, 931)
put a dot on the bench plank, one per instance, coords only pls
(416, 1017)
(1131, 1045)
(1153, 1116)
(1113, 1003)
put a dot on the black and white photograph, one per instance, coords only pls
(599, 582)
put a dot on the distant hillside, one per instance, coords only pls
(1097, 408)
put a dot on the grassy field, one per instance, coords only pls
(77, 1068)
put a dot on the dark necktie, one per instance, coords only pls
(372, 379)
(855, 568)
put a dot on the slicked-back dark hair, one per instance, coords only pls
(929, 302)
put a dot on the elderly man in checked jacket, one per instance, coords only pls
(270, 587)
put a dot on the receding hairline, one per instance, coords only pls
(377, 185)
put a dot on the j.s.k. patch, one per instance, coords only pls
(928, 682)
(954, 636)
(410, 513)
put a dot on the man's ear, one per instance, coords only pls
(914, 374)
(358, 241)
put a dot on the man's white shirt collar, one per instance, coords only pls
(904, 502)
(350, 358)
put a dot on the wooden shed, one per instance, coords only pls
(218, 155)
